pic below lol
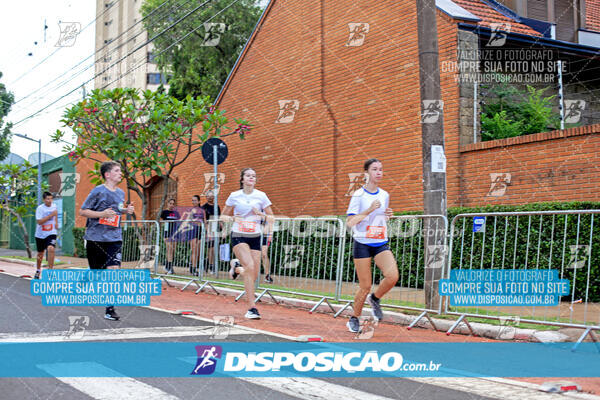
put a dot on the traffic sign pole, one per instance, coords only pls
(215, 209)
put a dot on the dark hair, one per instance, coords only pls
(196, 196)
(46, 194)
(108, 166)
(242, 176)
(369, 162)
(171, 200)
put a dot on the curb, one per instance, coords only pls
(480, 329)
(17, 261)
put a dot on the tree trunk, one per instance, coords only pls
(23, 229)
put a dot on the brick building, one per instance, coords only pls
(328, 85)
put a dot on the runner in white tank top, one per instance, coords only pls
(243, 207)
(368, 213)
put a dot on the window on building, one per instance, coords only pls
(151, 58)
(155, 78)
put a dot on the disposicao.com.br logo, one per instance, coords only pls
(313, 361)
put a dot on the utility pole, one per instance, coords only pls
(432, 131)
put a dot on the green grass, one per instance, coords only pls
(28, 259)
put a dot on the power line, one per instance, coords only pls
(121, 59)
(96, 52)
(172, 44)
(59, 48)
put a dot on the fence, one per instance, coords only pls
(303, 257)
(311, 257)
(567, 241)
(139, 244)
(182, 246)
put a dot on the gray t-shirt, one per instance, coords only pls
(104, 229)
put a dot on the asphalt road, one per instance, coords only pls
(23, 318)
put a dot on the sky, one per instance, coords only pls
(21, 25)
(44, 79)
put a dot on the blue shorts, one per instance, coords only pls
(360, 250)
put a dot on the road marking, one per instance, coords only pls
(120, 388)
(498, 388)
(119, 334)
(313, 389)
(241, 327)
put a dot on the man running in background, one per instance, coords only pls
(103, 208)
(46, 217)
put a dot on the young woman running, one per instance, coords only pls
(195, 217)
(169, 216)
(368, 213)
(243, 208)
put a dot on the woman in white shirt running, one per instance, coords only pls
(245, 206)
(368, 213)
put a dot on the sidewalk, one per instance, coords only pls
(292, 321)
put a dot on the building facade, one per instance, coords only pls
(119, 31)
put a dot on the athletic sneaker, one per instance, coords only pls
(268, 279)
(111, 314)
(252, 313)
(170, 271)
(353, 325)
(37, 275)
(234, 264)
(375, 307)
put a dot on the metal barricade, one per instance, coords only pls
(567, 241)
(140, 244)
(304, 256)
(418, 243)
(182, 246)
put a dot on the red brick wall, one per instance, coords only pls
(373, 94)
(550, 166)
(372, 91)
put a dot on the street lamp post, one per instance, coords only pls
(39, 183)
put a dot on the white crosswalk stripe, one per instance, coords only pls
(121, 388)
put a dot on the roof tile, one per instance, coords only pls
(489, 16)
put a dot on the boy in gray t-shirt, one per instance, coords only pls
(103, 209)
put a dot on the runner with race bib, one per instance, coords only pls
(243, 207)
(368, 213)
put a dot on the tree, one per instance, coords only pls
(7, 99)
(200, 63)
(149, 134)
(511, 112)
(18, 194)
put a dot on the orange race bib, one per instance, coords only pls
(47, 227)
(375, 232)
(247, 226)
(111, 221)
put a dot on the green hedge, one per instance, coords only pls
(320, 255)
(549, 243)
(78, 239)
(131, 251)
